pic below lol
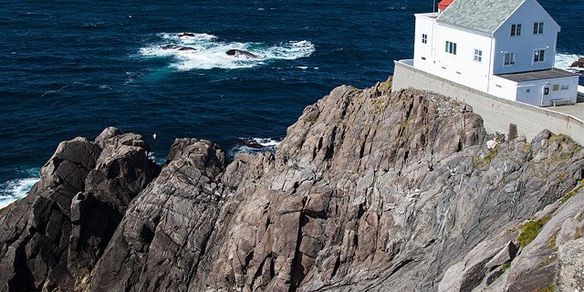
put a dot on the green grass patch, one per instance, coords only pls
(573, 192)
(578, 233)
(549, 288)
(486, 159)
(386, 86)
(552, 241)
(531, 229)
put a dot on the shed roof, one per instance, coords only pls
(538, 75)
(480, 15)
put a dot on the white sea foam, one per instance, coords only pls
(254, 145)
(158, 160)
(188, 38)
(13, 190)
(564, 61)
(205, 51)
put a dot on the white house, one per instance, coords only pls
(505, 48)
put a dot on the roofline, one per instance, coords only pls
(480, 32)
(518, 7)
(425, 13)
(512, 13)
(555, 22)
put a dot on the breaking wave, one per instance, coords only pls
(254, 145)
(192, 51)
(15, 189)
(564, 61)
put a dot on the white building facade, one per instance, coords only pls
(505, 48)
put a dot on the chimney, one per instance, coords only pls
(444, 4)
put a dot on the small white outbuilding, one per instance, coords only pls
(506, 48)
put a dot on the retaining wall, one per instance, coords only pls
(498, 114)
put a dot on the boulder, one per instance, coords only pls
(68, 216)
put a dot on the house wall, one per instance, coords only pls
(503, 88)
(497, 113)
(461, 67)
(423, 56)
(525, 44)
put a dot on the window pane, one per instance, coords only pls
(535, 28)
(535, 56)
(518, 29)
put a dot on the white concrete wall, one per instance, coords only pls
(497, 113)
(525, 44)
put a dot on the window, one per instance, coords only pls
(509, 59)
(424, 38)
(546, 91)
(538, 28)
(478, 55)
(451, 47)
(515, 29)
(556, 87)
(538, 56)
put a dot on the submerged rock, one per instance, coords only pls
(241, 53)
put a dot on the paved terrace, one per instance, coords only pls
(575, 110)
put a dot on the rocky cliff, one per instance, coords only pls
(371, 190)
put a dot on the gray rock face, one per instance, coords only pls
(52, 238)
(369, 191)
(167, 228)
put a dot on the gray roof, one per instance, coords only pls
(480, 15)
(537, 75)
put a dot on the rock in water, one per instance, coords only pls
(241, 53)
(578, 64)
(369, 191)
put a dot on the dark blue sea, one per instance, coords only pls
(71, 68)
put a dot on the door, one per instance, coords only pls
(545, 98)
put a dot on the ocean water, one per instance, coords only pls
(71, 68)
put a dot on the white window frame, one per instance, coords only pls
(516, 30)
(538, 28)
(450, 47)
(424, 38)
(478, 55)
(540, 57)
(512, 59)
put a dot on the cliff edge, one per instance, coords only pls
(371, 190)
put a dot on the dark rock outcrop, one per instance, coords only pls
(369, 191)
(241, 53)
(578, 64)
(52, 238)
